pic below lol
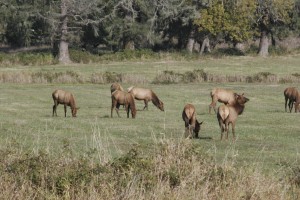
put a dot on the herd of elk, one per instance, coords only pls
(233, 105)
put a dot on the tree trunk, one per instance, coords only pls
(197, 47)
(64, 56)
(129, 45)
(240, 47)
(205, 45)
(264, 44)
(191, 42)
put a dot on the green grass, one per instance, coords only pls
(281, 65)
(266, 135)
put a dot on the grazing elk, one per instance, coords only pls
(227, 114)
(146, 95)
(65, 98)
(291, 94)
(192, 126)
(221, 95)
(118, 98)
(115, 86)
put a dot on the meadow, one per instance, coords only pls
(267, 136)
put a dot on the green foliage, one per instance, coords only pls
(84, 57)
(26, 58)
(130, 55)
(232, 20)
(133, 164)
(212, 19)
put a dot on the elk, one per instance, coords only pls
(146, 95)
(116, 86)
(65, 98)
(190, 122)
(118, 98)
(221, 95)
(227, 114)
(292, 94)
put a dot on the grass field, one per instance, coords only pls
(267, 136)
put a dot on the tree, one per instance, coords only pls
(238, 21)
(175, 22)
(227, 20)
(130, 23)
(68, 17)
(270, 15)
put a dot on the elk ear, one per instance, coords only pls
(236, 95)
(201, 123)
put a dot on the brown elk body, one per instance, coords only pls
(228, 114)
(292, 95)
(65, 98)
(146, 95)
(118, 98)
(221, 95)
(190, 122)
(116, 86)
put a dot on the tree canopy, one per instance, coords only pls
(137, 24)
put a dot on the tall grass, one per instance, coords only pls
(172, 170)
(165, 77)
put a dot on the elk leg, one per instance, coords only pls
(117, 109)
(127, 107)
(146, 104)
(111, 111)
(65, 108)
(285, 104)
(296, 107)
(233, 130)
(291, 102)
(54, 110)
(191, 131)
(221, 127)
(212, 105)
(226, 129)
(196, 135)
(113, 105)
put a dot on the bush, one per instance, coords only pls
(172, 170)
(26, 59)
(79, 56)
(169, 77)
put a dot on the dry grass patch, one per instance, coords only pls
(172, 170)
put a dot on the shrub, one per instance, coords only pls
(168, 77)
(265, 77)
(171, 170)
(79, 56)
(25, 58)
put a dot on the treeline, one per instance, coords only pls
(115, 25)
